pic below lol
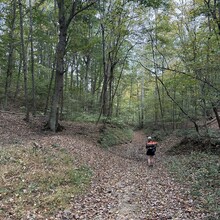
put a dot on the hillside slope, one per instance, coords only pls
(123, 186)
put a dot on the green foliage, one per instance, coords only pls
(156, 134)
(45, 179)
(201, 172)
(209, 142)
(153, 3)
(113, 135)
(82, 117)
(178, 42)
(190, 133)
(80, 176)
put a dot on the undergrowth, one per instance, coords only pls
(201, 172)
(82, 117)
(38, 181)
(115, 135)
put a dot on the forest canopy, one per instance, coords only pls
(140, 62)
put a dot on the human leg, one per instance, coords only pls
(150, 160)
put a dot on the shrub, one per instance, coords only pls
(113, 135)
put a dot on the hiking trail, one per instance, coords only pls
(123, 186)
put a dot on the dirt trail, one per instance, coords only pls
(125, 188)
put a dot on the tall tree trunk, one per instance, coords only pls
(130, 94)
(104, 95)
(156, 80)
(142, 101)
(10, 53)
(87, 60)
(216, 114)
(49, 88)
(110, 92)
(64, 23)
(24, 58)
(72, 71)
(174, 111)
(60, 53)
(32, 61)
(19, 76)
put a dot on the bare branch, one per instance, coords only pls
(193, 77)
(173, 100)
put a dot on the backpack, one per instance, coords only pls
(151, 145)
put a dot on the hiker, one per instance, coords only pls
(151, 149)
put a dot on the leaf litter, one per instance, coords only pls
(122, 185)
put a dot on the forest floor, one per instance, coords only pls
(123, 186)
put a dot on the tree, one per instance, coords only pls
(64, 19)
(24, 61)
(115, 31)
(10, 52)
(32, 60)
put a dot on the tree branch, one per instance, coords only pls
(173, 100)
(74, 12)
(186, 74)
(193, 77)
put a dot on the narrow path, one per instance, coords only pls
(125, 188)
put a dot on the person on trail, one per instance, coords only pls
(151, 149)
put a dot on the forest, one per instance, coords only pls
(141, 62)
(103, 75)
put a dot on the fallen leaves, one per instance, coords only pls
(122, 186)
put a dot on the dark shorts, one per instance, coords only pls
(151, 152)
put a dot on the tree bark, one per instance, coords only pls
(64, 23)
(10, 54)
(32, 61)
(49, 89)
(60, 53)
(216, 114)
(24, 59)
(104, 95)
